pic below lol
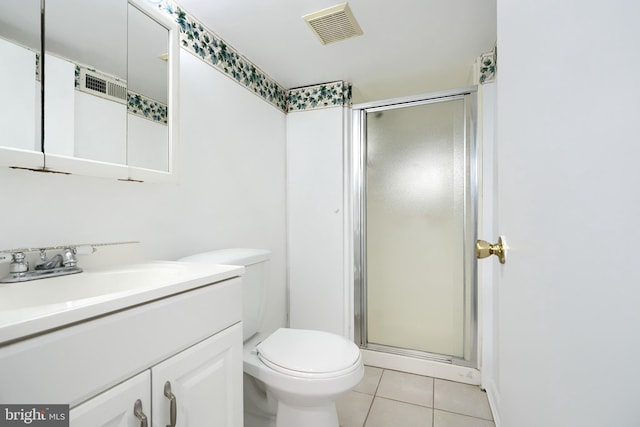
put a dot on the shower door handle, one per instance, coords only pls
(485, 249)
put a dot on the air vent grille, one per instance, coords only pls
(117, 90)
(334, 24)
(102, 85)
(95, 84)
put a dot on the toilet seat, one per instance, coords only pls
(294, 377)
(309, 354)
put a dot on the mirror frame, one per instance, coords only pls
(16, 158)
(173, 64)
(39, 161)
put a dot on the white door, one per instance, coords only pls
(568, 200)
(117, 406)
(205, 382)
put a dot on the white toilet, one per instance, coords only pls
(292, 376)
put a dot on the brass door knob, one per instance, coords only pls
(484, 249)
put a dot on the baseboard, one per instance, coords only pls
(494, 400)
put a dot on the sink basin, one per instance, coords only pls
(88, 284)
(34, 306)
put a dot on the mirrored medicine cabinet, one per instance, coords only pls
(101, 100)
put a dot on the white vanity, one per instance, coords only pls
(149, 344)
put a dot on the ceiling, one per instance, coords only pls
(408, 47)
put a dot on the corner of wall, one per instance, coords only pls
(324, 95)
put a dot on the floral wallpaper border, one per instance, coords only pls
(319, 96)
(37, 66)
(488, 66)
(147, 108)
(210, 48)
(213, 50)
(203, 43)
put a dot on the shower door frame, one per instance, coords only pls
(470, 232)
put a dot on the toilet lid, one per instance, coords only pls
(308, 352)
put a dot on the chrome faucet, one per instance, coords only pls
(58, 265)
(67, 259)
(48, 264)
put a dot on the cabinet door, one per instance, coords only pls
(206, 382)
(115, 407)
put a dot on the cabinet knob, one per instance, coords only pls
(137, 411)
(173, 407)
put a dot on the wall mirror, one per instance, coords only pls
(110, 80)
(147, 79)
(20, 118)
(85, 70)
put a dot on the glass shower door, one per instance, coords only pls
(419, 227)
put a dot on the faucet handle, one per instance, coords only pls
(69, 257)
(18, 265)
(69, 254)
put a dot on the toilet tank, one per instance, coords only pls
(254, 281)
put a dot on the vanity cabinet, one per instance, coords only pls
(204, 381)
(201, 379)
(102, 366)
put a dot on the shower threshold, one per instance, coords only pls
(409, 353)
(421, 363)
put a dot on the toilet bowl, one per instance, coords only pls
(304, 372)
(296, 375)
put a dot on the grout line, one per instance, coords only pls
(433, 403)
(467, 415)
(379, 381)
(375, 393)
(404, 401)
(366, 417)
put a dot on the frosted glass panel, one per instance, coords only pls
(415, 209)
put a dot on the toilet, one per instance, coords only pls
(293, 377)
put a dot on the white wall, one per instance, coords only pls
(230, 189)
(569, 205)
(315, 219)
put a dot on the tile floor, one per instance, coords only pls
(386, 398)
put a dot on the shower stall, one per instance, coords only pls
(415, 219)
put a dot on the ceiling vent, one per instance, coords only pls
(334, 24)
